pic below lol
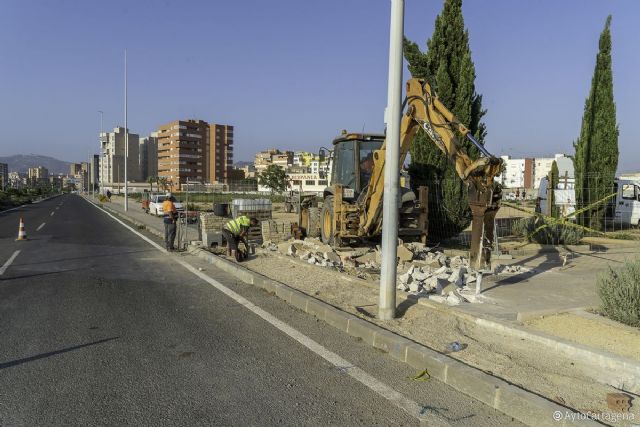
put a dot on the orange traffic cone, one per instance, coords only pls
(22, 235)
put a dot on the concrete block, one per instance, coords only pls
(421, 358)
(299, 300)
(527, 407)
(336, 318)
(316, 308)
(283, 292)
(473, 382)
(391, 343)
(404, 254)
(362, 329)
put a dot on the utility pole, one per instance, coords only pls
(126, 137)
(387, 303)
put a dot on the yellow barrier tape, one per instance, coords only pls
(564, 220)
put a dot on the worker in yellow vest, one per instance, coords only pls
(235, 231)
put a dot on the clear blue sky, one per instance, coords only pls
(292, 74)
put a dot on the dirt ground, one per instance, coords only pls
(517, 361)
(592, 330)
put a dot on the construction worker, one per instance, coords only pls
(235, 231)
(170, 215)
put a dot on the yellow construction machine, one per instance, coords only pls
(352, 204)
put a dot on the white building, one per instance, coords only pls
(513, 175)
(305, 182)
(112, 157)
(543, 167)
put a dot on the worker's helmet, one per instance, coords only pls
(169, 195)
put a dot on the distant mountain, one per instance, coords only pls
(22, 162)
(242, 164)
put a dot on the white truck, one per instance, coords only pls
(564, 196)
(624, 208)
(155, 205)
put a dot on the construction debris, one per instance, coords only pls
(422, 271)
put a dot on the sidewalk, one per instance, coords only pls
(185, 232)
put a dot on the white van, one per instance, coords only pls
(625, 207)
(564, 197)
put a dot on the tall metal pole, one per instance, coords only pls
(126, 137)
(100, 165)
(387, 304)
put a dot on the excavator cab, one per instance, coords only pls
(353, 162)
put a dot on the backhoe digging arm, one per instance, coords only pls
(424, 110)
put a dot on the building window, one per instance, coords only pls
(310, 182)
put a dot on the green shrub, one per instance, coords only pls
(621, 235)
(619, 291)
(549, 233)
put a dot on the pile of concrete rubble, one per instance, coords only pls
(422, 271)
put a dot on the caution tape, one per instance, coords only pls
(564, 220)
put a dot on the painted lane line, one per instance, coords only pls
(8, 263)
(40, 226)
(398, 399)
(52, 213)
(57, 207)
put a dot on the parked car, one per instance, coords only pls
(155, 204)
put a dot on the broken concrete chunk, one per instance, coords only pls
(333, 257)
(420, 276)
(404, 254)
(292, 250)
(414, 286)
(453, 298)
(457, 276)
(304, 255)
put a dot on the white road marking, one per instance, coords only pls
(8, 263)
(52, 213)
(57, 207)
(398, 399)
(40, 226)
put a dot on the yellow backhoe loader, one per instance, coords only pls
(352, 204)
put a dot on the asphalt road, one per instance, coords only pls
(97, 327)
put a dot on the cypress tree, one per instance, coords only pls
(596, 150)
(448, 67)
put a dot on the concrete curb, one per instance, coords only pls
(525, 406)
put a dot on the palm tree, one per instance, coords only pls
(151, 180)
(164, 182)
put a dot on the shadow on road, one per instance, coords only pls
(46, 273)
(53, 261)
(52, 353)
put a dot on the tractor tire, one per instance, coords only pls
(326, 225)
(313, 227)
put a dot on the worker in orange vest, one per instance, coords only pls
(170, 215)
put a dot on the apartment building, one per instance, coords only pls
(182, 152)
(220, 153)
(38, 176)
(273, 156)
(4, 176)
(148, 156)
(74, 169)
(113, 155)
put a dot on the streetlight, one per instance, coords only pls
(126, 137)
(100, 152)
(387, 301)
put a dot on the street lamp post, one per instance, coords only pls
(387, 301)
(126, 137)
(100, 165)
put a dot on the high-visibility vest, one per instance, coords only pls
(235, 225)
